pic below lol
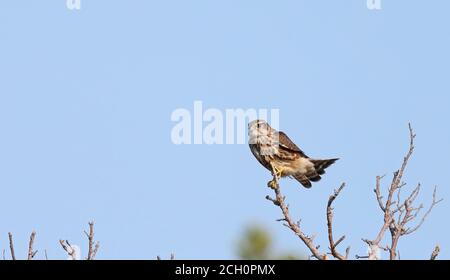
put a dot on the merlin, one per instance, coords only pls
(276, 152)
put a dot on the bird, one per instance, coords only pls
(277, 153)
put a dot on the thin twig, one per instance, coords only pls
(68, 248)
(280, 202)
(378, 193)
(433, 204)
(93, 249)
(435, 253)
(172, 257)
(97, 246)
(334, 245)
(31, 253)
(361, 257)
(404, 212)
(11, 246)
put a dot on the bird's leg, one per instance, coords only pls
(273, 184)
(278, 172)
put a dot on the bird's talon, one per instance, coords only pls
(277, 172)
(272, 184)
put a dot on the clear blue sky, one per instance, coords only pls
(86, 98)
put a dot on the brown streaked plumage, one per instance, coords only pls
(273, 148)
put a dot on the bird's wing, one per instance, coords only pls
(287, 144)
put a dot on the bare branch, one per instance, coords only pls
(334, 245)
(68, 248)
(396, 219)
(435, 253)
(276, 203)
(94, 253)
(358, 257)
(378, 193)
(172, 257)
(11, 246)
(31, 253)
(295, 227)
(92, 249)
(398, 175)
(433, 204)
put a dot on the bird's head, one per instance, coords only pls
(258, 131)
(256, 123)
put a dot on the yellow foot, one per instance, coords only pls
(278, 172)
(272, 184)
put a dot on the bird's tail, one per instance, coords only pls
(314, 175)
(304, 180)
(321, 164)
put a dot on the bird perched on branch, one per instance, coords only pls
(276, 152)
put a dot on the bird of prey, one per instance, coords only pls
(276, 152)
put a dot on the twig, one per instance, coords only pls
(45, 253)
(378, 193)
(386, 208)
(31, 253)
(97, 246)
(433, 204)
(334, 245)
(11, 246)
(435, 253)
(68, 248)
(172, 257)
(396, 220)
(361, 257)
(93, 249)
(295, 227)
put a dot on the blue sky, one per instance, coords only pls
(86, 98)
